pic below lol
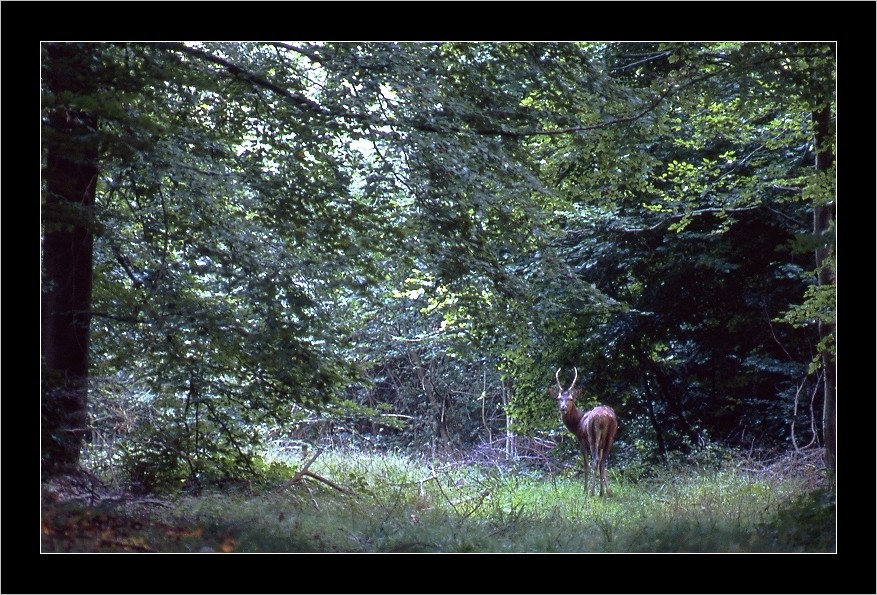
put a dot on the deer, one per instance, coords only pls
(595, 430)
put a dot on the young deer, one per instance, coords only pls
(595, 430)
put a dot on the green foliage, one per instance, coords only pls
(809, 520)
(402, 242)
(820, 187)
(819, 306)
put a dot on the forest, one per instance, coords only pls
(285, 278)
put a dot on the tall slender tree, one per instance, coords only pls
(823, 229)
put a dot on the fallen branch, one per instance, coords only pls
(328, 482)
(423, 481)
(303, 472)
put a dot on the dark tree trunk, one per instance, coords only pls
(68, 200)
(436, 402)
(823, 215)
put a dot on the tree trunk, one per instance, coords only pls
(511, 447)
(68, 204)
(823, 215)
(436, 403)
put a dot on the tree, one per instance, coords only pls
(211, 244)
(823, 227)
(692, 237)
(68, 231)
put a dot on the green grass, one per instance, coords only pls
(398, 504)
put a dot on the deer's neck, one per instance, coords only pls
(572, 419)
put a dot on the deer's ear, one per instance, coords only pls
(576, 393)
(553, 392)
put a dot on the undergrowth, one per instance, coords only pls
(395, 503)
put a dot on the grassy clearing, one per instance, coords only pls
(399, 504)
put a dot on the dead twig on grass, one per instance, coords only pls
(303, 472)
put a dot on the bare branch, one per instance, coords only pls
(329, 483)
(303, 472)
(304, 468)
(775, 338)
(812, 414)
(648, 58)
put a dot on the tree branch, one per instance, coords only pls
(648, 58)
(312, 56)
(303, 472)
(255, 79)
(553, 131)
(368, 119)
(317, 109)
(118, 318)
(329, 483)
(710, 210)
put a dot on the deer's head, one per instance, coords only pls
(566, 399)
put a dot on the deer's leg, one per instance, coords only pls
(603, 477)
(597, 478)
(587, 469)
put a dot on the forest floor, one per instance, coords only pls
(387, 503)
